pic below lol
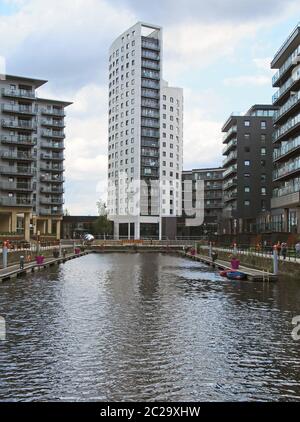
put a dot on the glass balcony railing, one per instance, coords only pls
(287, 106)
(53, 112)
(287, 168)
(231, 144)
(150, 65)
(150, 123)
(150, 133)
(286, 86)
(152, 45)
(231, 157)
(233, 129)
(151, 74)
(150, 84)
(292, 59)
(49, 122)
(150, 55)
(16, 155)
(230, 184)
(146, 112)
(21, 124)
(150, 103)
(16, 201)
(18, 109)
(286, 147)
(16, 186)
(231, 169)
(19, 93)
(24, 171)
(53, 145)
(22, 140)
(290, 187)
(52, 134)
(290, 124)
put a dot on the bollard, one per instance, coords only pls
(22, 259)
(275, 262)
(4, 256)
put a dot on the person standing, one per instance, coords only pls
(284, 250)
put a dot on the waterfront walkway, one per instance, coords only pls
(252, 273)
(14, 271)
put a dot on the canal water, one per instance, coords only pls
(147, 327)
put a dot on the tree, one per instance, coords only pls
(102, 225)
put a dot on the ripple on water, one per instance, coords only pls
(146, 327)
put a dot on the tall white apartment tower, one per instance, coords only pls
(145, 138)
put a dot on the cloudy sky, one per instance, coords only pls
(219, 51)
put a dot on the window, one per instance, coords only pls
(247, 189)
(263, 151)
(263, 125)
(247, 163)
(247, 203)
(247, 136)
(263, 177)
(263, 191)
(246, 174)
(247, 149)
(247, 123)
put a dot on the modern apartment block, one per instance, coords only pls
(202, 192)
(31, 159)
(247, 168)
(145, 137)
(286, 138)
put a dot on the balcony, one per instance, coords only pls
(52, 190)
(230, 184)
(150, 55)
(45, 211)
(52, 157)
(26, 110)
(150, 65)
(21, 125)
(229, 212)
(16, 202)
(287, 149)
(18, 140)
(53, 112)
(53, 145)
(17, 171)
(16, 186)
(288, 128)
(230, 170)
(151, 45)
(51, 201)
(16, 156)
(150, 103)
(150, 84)
(291, 84)
(18, 93)
(150, 133)
(286, 199)
(230, 158)
(52, 123)
(231, 145)
(54, 169)
(146, 112)
(51, 178)
(150, 162)
(52, 134)
(287, 107)
(146, 153)
(150, 123)
(229, 133)
(230, 196)
(150, 74)
(287, 170)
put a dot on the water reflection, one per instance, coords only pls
(147, 327)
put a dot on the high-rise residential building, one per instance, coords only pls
(145, 137)
(206, 199)
(247, 168)
(31, 159)
(286, 138)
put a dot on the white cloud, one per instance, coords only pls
(240, 81)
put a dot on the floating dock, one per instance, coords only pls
(251, 273)
(14, 271)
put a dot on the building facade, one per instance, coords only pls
(286, 138)
(202, 194)
(145, 137)
(31, 159)
(247, 169)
